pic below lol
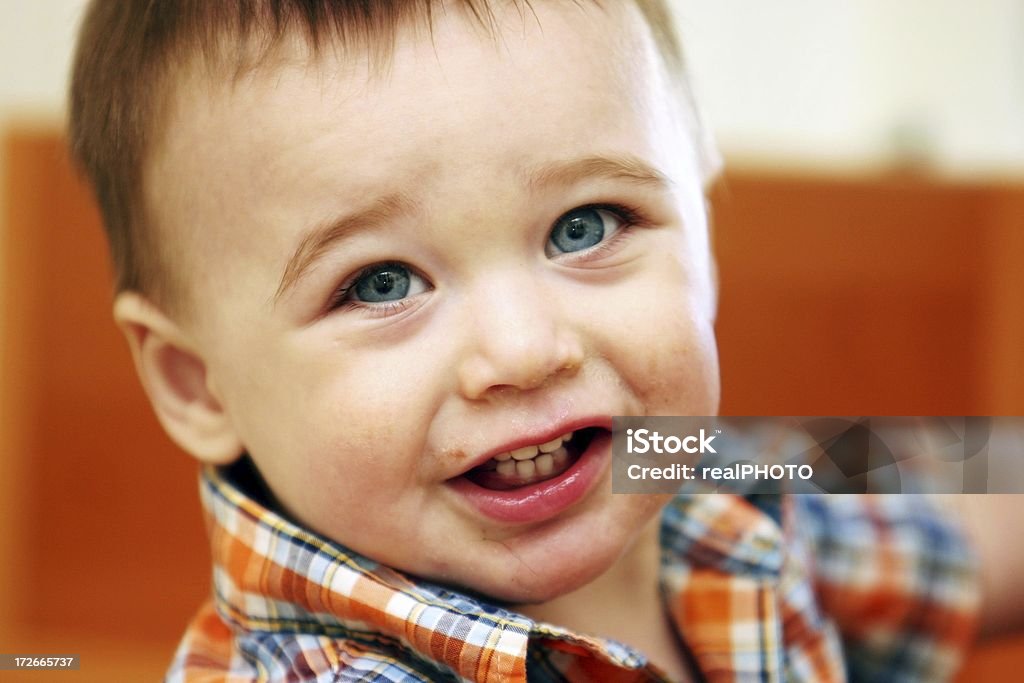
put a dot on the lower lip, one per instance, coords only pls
(543, 500)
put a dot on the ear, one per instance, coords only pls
(175, 378)
(713, 274)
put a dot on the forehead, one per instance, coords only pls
(457, 115)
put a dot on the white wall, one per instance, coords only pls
(36, 38)
(854, 83)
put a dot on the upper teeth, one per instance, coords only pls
(529, 452)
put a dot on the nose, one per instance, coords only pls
(518, 336)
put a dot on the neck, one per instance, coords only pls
(623, 603)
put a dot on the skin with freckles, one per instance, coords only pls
(392, 275)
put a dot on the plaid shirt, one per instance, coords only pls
(805, 588)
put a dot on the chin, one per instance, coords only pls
(543, 581)
(553, 560)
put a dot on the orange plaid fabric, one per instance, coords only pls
(807, 588)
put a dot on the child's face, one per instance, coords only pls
(483, 308)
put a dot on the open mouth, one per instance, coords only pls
(532, 464)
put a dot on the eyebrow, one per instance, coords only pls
(385, 209)
(321, 239)
(611, 167)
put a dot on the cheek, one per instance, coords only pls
(369, 417)
(352, 437)
(685, 377)
(662, 342)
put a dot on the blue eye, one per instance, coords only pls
(386, 282)
(577, 230)
(581, 229)
(382, 289)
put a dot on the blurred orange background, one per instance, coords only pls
(882, 278)
(856, 294)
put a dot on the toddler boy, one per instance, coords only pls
(388, 269)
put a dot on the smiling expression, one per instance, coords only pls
(401, 281)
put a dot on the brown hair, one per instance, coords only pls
(126, 55)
